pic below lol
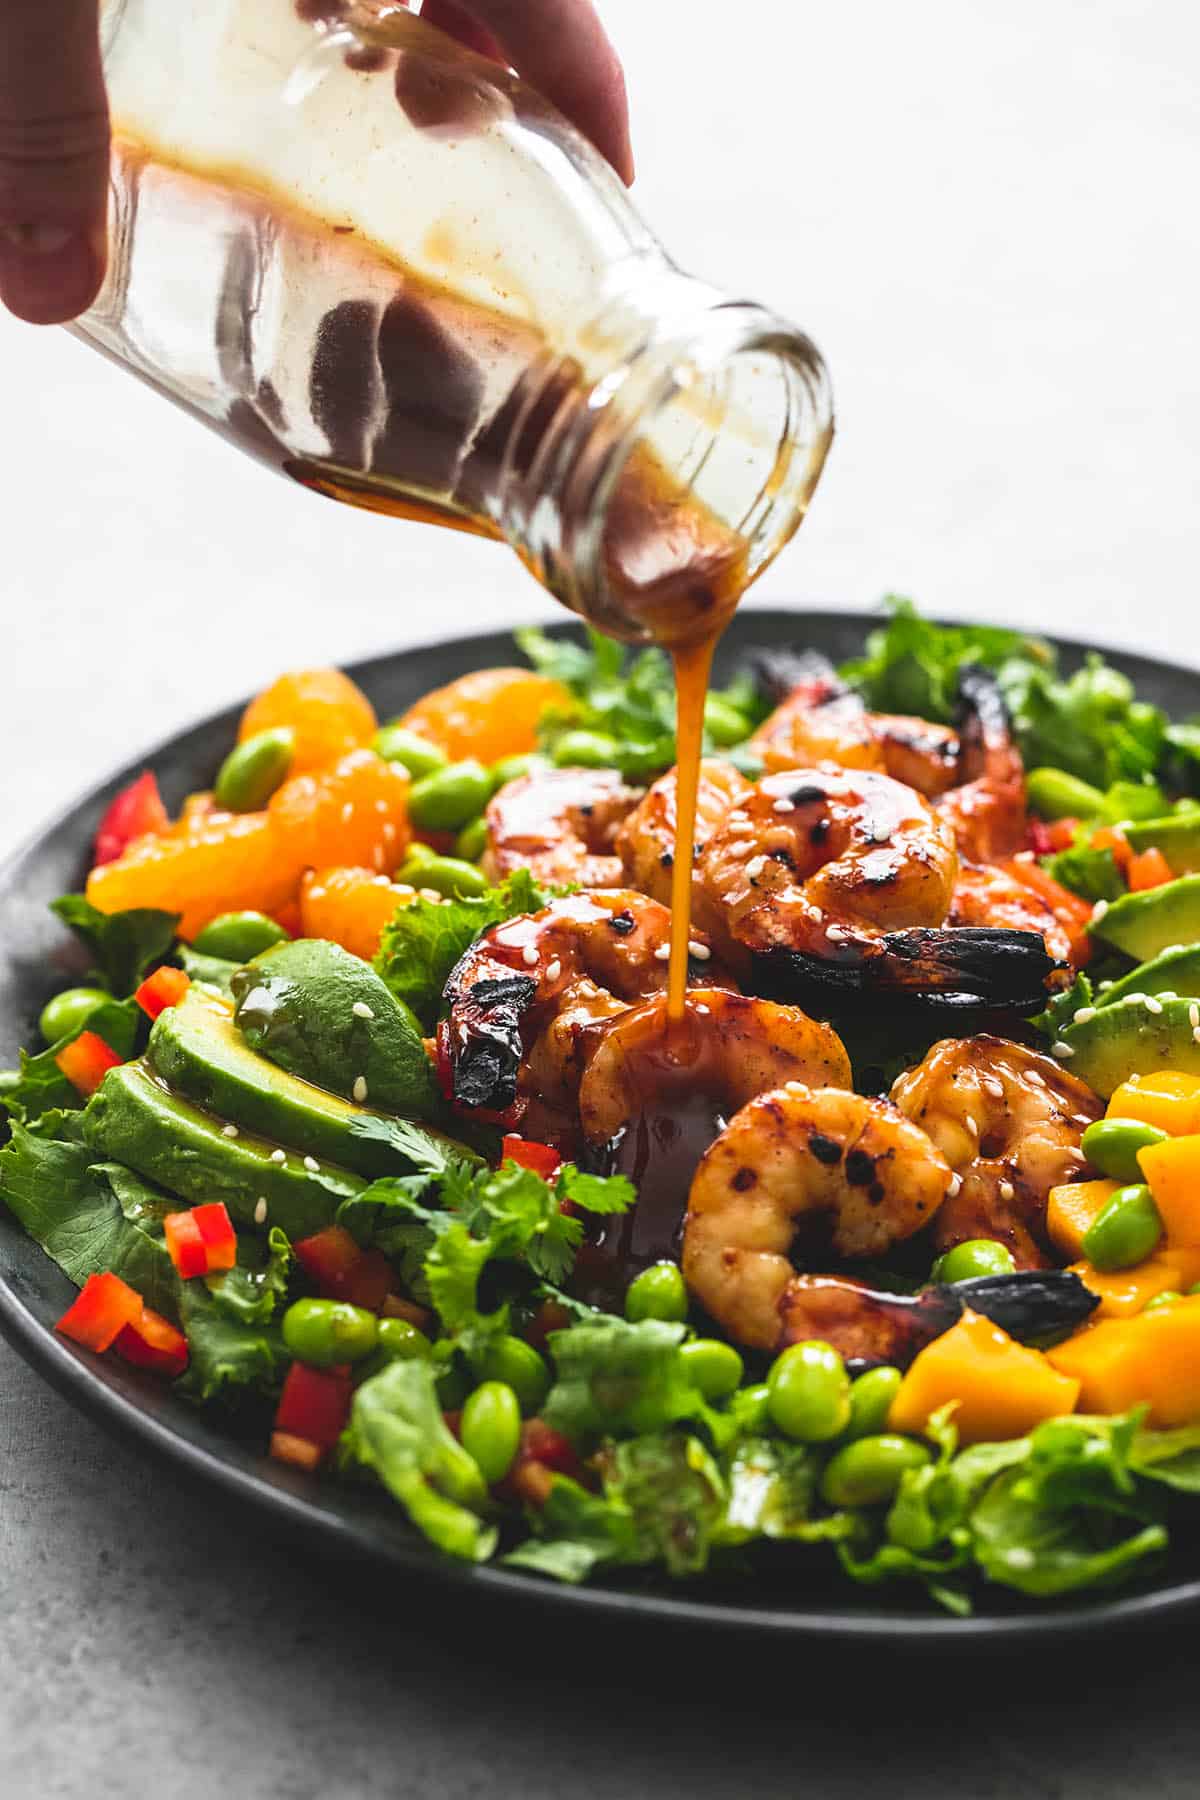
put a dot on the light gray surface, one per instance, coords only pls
(987, 218)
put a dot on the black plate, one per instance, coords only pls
(804, 1595)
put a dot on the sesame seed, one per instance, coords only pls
(1135, 999)
(229, 1131)
(1084, 1014)
(361, 1010)
(1062, 1049)
(1098, 911)
(1196, 1034)
(1007, 1190)
(430, 894)
(1037, 1079)
(796, 1087)
(1102, 987)
(1080, 1119)
(784, 806)
(553, 970)
(737, 817)
(381, 806)
(389, 833)
(701, 1008)
(1166, 994)
(1194, 1014)
(377, 856)
(1152, 1003)
(741, 847)
(348, 811)
(260, 1212)
(663, 953)
(835, 933)
(529, 956)
(359, 1090)
(991, 1086)
(278, 1156)
(312, 1165)
(955, 1187)
(701, 952)
(1132, 1080)
(971, 1126)
(755, 866)
(382, 881)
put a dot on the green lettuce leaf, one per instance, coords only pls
(615, 1376)
(426, 939)
(252, 1292)
(230, 1357)
(772, 1493)
(124, 945)
(1092, 874)
(1171, 1457)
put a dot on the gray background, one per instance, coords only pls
(987, 217)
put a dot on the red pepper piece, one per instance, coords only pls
(152, 1342)
(315, 1404)
(328, 1257)
(86, 1061)
(217, 1234)
(166, 987)
(185, 1246)
(137, 811)
(302, 1453)
(369, 1282)
(1038, 838)
(105, 1304)
(1149, 869)
(543, 1159)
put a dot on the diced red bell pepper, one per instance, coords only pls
(328, 1256)
(1062, 833)
(1038, 838)
(105, 1305)
(166, 987)
(86, 1060)
(315, 1404)
(1111, 837)
(543, 1159)
(202, 1241)
(302, 1453)
(1148, 869)
(369, 1282)
(395, 1306)
(152, 1342)
(137, 811)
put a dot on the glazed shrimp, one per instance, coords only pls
(915, 751)
(801, 1163)
(560, 824)
(986, 807)
(645, 841)
(537, 984)
(1008, 1121)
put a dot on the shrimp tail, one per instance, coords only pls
(485, 1039)
(954, 966)
(982, 720)
(778, 672)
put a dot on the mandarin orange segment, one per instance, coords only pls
(487, 714)
(350, 907)
(354, 814)
(328, 713)
(233, 866)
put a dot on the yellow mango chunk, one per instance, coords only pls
(1173, 1172)
(1152, 1359)
(1168, 1099)
(1071, 1210)
(1124, 1292)
(1003, 1389)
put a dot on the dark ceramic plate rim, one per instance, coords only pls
(336, 1520)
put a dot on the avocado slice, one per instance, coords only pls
(215, 971)
(1178, 837)
(1144, 924)
(326, 1016)
(1173, 971)
(1127, 1038)
(133, 1119)
(196, 1049)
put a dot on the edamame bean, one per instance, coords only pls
(1126, 1230)
(413, 752)
(978, 1256)
(659, 1292)
(511, 768)
(869, 1471)
(402, 1342)
(714, 1367)
(871, 1397)
(416, 857)
(237, 936)
(723, 722)
(323, 1332)
(809, 1392)
(251, 773)
(449, 876)
(449, 798)
(585, 750)
(1056, 795)
(1168, 1297)
(69, 1011)
(750, 1407)
(1112, 1145)
(472, 840)
(513, 1361)
(490, 1429)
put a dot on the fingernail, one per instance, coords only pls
(48, 272)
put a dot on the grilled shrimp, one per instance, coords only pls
(801, 1163)
(1008, 1121)
(918, 753)
(542, 982)
(646, 840)
(986, 806)
(560, 824)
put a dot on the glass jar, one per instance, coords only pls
(386, 267)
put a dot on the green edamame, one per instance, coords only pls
(511, 768)
(1112, 1145)
(871, 1397)
(1125, 1231)
(1056, 795)
(449, 876)
(659, 1292)
(585, 750)
(490, 1429)
(978, 1256)
(323, 1332)
(402, 1341)
(809, 1392)
(237, 936)
(869, 1471)
(517, 1364)
(472, 840)
(251, 773)
(69, 1011)
(714, 1367)
(724, 723)
(413, 752)
(449, 798)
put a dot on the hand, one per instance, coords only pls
(54, 126)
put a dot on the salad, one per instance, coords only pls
(369, 1128)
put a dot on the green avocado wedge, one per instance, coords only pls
(1127, 1038)
(1143, 925)
(196, 1049)
(1177, 836)
(1173, 971)
(133, 1119)
(326, 1016)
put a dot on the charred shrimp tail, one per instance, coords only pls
(955, 966)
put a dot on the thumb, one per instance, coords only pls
(53, 158)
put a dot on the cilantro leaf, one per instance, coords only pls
(124, 944)
(1063, 1007)
(426, 939)
(912, 665)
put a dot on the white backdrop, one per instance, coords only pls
(987, 218)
